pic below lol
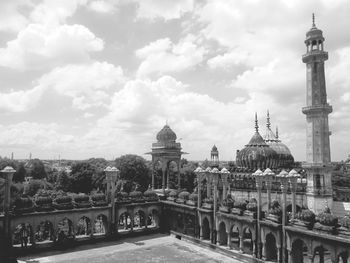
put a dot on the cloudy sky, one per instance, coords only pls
(99, 78)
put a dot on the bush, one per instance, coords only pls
(43, 200)
(122, 195)
(193, 197)
(63, 199)
(253, 207)
(345, 222)
(327, 219)
(275, 209)
(81, 198)
(306, 215)
(240, 204)
(173, 194)
(23, 202)
(135, 195)
(98, 197)
(184, 195)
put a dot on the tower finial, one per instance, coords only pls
(313, 20)
(276, 132)
(268, 124)
(256, 123)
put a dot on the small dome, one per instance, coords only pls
(214, 149)
(256, 154)
(166, 135)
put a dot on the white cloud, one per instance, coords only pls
(103, 6)
(11, 19)
(41, 47)
(165, 9)
(162, 56)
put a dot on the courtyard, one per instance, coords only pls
(154, 248)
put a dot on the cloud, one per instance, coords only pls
(165, 9)
(163, 56)
(101, 6)
(41, 47)
(11, 19)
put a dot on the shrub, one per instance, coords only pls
(252, 206)
(240, 204)
(184, 195)
(63, 199)
(193, 197)
(122, 195)
(327, 219)
(135, 195)
(275, 209)
(42, 200)
(173, 193)
(81, 198)
(345, 222)
(306, 215)
(98, 197)
(23, 202)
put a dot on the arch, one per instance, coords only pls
(100, 225)
(22, 236)
(248, 240)
(299, 251)
(222, 234)
(205, 229)
(83, 227)
(234, 237)
(342, 257)
(44, 232)
(139, 219)
(321, 254)
(65, 230)
(124, 222)
(270, 247)
(153, 218)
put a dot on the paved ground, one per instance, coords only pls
(154, 248)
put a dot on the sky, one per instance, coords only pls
(100, 78)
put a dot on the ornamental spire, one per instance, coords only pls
(268, 124)
(313, 20)
(256, 123)
(277, 132)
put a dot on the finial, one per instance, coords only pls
(313, 20)
(268, 124)
(276, 132)
(256, 123)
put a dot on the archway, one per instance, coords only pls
(44, 232)
(64, 230)
(343, 257)
(153, 219)
(321, 255)
(124, 222)
(247, 241)
(100, 225)
(299, 252)
(234, 236)
(270, 247)
(206, 229)
(222, 234)
(23, 236)
(190, 225)
(139, 220)
(83, 227)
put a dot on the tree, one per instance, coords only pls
(37, 169)
(64, 182)
(20, 173)
(133, 168)
(81, 177)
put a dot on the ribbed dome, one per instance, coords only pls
(166, 134)
(257, 154)
(284, 156)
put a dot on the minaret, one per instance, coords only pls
(318, 157)
(214, 156)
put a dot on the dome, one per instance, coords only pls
(214, 149)
(284, 157)
(257, 154)
(314, 32)
(166, 134)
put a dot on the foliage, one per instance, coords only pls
(98, 197)
(63, 199)
(37, 169)
(184, 195)
(133, 169)
(252, 205)
(20, 173)
(64, 182)
(23, 202)
(136, 195)
(173, 193)
(193, 197)
(240, 204)
(306, 215)
(275, 209)
(81, 177)
(41, 200)
(33, 187)
(327, 219)
(345, 222)
(81, 198)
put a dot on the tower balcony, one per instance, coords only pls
(315, 56)
(316, 109)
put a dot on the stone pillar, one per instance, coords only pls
(290, 258)
(268, 190)
(167, 177)
(263, 251)
(255, 252)
(163, 177)
(153, 171)
(229, 243)
(284, 187)
(241, 244)
(215, 181)
(178, 175)
(293, 182)
(224, 185)
(201, 232)
(311, 258)
(199, 188)
(208, 186)
(279, 254)
(258, 181)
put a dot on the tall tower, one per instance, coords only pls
(318, 157)
(214, 156)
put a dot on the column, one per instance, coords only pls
(163, 177)
(167, 176)
(263, 251)
(290, 259)
(228, 240)
(284, 187)
(201, 232)
(241, 244)
(255, 253)
(258, 242)
(279, 254)
(215, 181)
(153, 170)
(268, 188)
(199, 187)
(224, 185)
(208, 187)
(178, 175)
